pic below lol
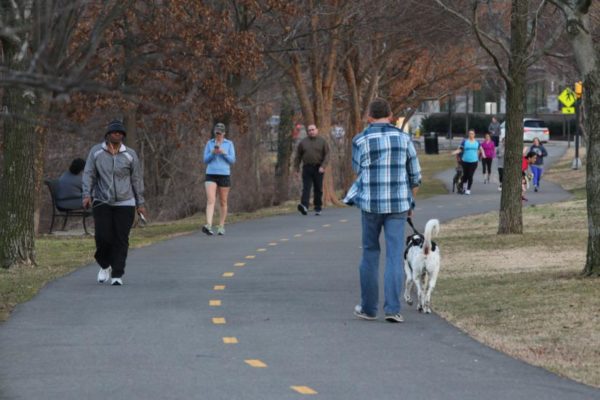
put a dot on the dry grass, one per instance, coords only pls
(523, 294)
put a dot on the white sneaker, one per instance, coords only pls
(104, 274)
(358, 312)
(467, 191)
(116, 281)
(500, 188)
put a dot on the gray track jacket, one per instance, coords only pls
(112, 179)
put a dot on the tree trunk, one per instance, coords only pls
(284, 150)
(295, 72)
(39, 165)
(17, 194)
(579, 28)
(329, 195)
(511, 212)
(40, 146)
(130, 122)
(592, 122)
(354, 120)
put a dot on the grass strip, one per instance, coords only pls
(524, 294)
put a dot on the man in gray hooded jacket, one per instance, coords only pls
(113, 186)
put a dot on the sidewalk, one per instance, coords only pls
(262, 313)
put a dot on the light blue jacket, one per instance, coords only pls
(219, 164)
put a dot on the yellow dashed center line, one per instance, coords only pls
(303, 389)
(256, 363)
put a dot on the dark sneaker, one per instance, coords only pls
(394, 318)
(208, 230)
(535, 189)
(302, 208)
(116, 282)
(358, 312)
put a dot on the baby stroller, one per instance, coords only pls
(457, 179)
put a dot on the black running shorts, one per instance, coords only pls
(220, 180)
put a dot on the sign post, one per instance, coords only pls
(576, 164)
(571, 101)
(578, 93)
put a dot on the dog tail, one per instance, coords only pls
(432, 228)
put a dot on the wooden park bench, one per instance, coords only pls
(58, 212)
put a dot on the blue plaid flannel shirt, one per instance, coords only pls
(385, 160)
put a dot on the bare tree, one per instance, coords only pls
(523, 48)
(284, 149)
(42, 57)
(582, 29)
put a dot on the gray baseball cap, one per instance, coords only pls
(220, 127)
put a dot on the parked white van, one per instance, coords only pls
(532, 128)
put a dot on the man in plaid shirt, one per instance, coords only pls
(389, 176)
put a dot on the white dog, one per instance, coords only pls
(422, 264)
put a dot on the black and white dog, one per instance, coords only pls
(422, 264)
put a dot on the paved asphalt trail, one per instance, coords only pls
(289, 307)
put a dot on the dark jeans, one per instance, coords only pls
(311, 177)
(500, 174)
(486, 163)
(113, 224)
(468, 172)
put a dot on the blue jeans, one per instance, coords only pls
(393, 227)
(537, 171)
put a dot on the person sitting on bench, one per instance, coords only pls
(68, 189)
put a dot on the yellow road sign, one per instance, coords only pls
(568, 110)
(567, 97)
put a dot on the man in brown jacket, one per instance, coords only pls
(313, 153)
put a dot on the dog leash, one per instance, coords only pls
(409, 219)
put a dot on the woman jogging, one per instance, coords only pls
(470, 149)
(489, 149)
